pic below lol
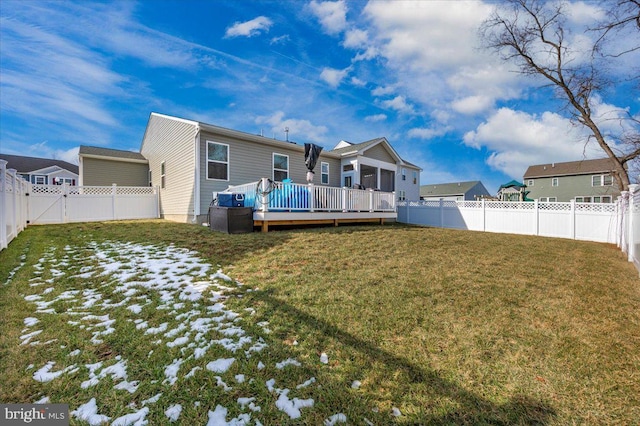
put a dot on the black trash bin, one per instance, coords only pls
(231, 220)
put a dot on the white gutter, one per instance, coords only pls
(196, 184)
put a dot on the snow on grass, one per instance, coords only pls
(124, 278)
(336, 418)
(324, 358)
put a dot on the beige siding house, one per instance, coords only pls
(190, 161)
(104, 166)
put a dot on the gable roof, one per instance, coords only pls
(359, 148)
(29, 164)
(108, 153)
(582, 167)
(454, 188)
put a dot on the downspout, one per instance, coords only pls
(196, 185)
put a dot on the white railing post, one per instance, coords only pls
(618, 229)
(441, 213)
(484, 216)
(312, 197)
(572, 221)
(156, 191)
(370, 200)
(114, 191)
(631, 254)
(624, 195)
(3, 205)
(264, 198)
(344, 199)
(14, 210)
(536, 208)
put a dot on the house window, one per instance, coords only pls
(548, 199)
(601, 180)
(39, 180)
(162, 175)
(402, 195)
(348, 181)
(280, 167)
(595, 199)
(404, 174)
(415, 178)
(554, 182)
(217, 161)
(347, 167)
(530, 182)
(63, 181)
(324, 170)
(150, 181)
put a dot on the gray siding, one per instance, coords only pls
(97, 172)
(172, 141)
(412, 190)
(250, 161)
(379, 152)
(568, 188)
(477, 189)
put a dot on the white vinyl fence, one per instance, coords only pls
(22, 204)
(616, 223)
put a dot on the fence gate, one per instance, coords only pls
(47, 204)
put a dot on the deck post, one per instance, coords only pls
(371, 201)
(3, 204)
(344, 199)
(264, 198)
(312, 197)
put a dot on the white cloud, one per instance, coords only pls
(332, 15)
(472, 104)
(357, 82)
(334, 77)
(376, 117)
(280, 40)
(299, 130)
(400, 104)
(249, 28)
(355, 39)
(428, 132)
(384, 90)
(517, 140)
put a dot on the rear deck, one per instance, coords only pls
(286, 203)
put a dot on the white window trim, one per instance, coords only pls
(404, 174)
(601, 180)
(38, 177)
(163, 175)
(555, 182)
(228, 162)
(402, 195)
(322, 173)
(273, 165)
(530, 182)
(415, 177)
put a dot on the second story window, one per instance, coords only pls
(324, 170)
(530, 182)
(162, 175)
(404, 174)
(554, 182)
(415, 178)
(601, 180)
(280, 167)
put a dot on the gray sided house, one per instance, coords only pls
(586, 181)
(104, 166)
(456, 191)
(191, 160)
(43, 171)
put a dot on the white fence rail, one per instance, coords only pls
(270, 196)
(22, 203)
(617, 223)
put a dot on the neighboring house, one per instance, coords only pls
(513, 191)
(191, 160)
(586, 181)
(105, 166)
(457, 191)
(43, 171)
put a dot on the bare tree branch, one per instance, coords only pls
(531, 34)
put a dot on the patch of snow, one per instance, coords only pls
(336, 418)
(43, 400)
(132, 419)
(220, 365)
(307, 383)
(292, 406)
(45, 375)
(356, 384)
(239, 378)
(151, 400)
(290, 361)
(218, 417)
(131, 387)
(324, 358)
(75, 353)
(395, 412)
(29, 321)
(173, 412)
(171, 371)
(89, 413)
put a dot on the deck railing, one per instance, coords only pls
(270, 196)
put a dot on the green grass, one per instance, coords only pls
(451, 327)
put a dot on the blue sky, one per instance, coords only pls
(90, 73)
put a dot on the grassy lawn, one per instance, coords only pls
(420, 326)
